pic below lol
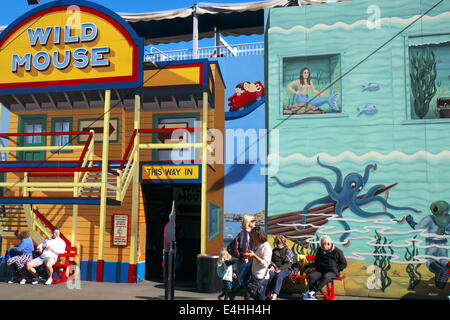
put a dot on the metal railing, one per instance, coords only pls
(244, 49)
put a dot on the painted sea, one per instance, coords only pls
(231, 229)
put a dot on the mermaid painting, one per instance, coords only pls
(305, 85)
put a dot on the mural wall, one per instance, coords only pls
(245, 149)
(360, 102)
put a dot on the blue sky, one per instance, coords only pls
(13, 9)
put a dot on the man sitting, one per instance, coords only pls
(329, 262)
(49, 251)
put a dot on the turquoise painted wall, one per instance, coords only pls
(415, 153)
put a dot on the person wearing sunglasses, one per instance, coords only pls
(329, 262)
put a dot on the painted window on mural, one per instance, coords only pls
(214, 215)
(429, 75)
(184, 137)
(311, 85)
(61, 125)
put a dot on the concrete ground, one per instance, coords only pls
(144, 290)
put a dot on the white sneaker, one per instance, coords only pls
(309, 296)
(49, 281)
(35, 281)
(23, 281)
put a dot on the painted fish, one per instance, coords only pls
(369, 108)
(371, 87)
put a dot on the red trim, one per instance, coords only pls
(67, 82)
(127, 151)
(37, 161)
(53, 161)
(86, 146)
(131, 273)
(20, 134)
(170, 161)
(45, 175)
(100, 266)
(49, 225)
(167, 130)
(55, 198)
(63, 169)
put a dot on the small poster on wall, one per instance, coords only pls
(120, 230)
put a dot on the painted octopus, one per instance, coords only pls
(345, 193)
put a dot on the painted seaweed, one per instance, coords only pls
(383, 261)
(412, 268)
(305, 248)
(423, 77)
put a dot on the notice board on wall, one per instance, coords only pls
(120, 230)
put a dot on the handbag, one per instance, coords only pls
(254, 287)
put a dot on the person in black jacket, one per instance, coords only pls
(243, 244)
(329, 262)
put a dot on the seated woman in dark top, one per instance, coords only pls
(329, 262)
(282, 260)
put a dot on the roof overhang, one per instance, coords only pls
(176, 25)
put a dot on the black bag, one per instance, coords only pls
(254, 288)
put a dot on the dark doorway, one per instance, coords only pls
(158, 200)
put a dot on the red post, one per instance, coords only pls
(99, 277)
(131, 273)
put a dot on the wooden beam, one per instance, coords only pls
(68, 100)
(86, 100)
(15, 97)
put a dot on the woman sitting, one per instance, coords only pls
(282, 260)
(17, 257)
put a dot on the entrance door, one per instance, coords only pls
(158, 200)
(32, 124)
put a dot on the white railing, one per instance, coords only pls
(245, 49)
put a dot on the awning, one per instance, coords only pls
(171, 26)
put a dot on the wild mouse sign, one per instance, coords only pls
(69, 45)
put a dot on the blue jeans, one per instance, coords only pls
(262, 294)
(245, 270)
(276, 280)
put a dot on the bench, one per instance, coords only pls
(62, 270)
(328, 294)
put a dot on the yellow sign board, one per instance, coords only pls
(175, 75)
(63, 45)
(171, 172)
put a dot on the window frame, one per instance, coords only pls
(155, 122)
(53, 138)
(218, 214)
(410, 41)
(282, 61)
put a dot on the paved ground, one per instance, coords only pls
(145, 290)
